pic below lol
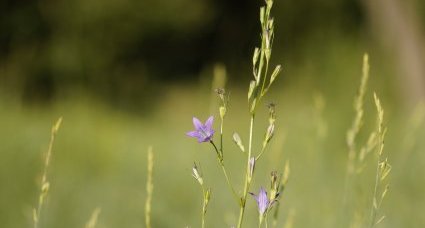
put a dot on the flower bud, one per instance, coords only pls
(275, 73)
(384, 169)
(262, 13)
(275, 184)
(238, 141)
(251, 168)
(272, 113)
(266, 35)
(270, 133)
(273, 178)
(252, 86)
(207, 196)
(45, 188)
(269, 3)
(270, 24)
(221, 92)
(223, 111)
(196, 174)
(255, 56)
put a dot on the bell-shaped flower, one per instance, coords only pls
(262, 201)
(202, 132)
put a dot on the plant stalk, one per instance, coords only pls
(247, 180)
(229, 183)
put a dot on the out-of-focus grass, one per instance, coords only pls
(99, 156)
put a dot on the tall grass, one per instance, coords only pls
(353, 153)
(357, 161)
(93, 218)
(45, 184)
(149, 189)
(383, 168)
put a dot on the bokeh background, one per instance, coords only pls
(128, 74)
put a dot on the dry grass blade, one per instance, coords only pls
(45, 185)
(149, 189)
(93, 219)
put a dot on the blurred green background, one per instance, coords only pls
(128, 74)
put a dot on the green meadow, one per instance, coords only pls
(100, 152)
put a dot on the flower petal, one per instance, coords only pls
(209, 122)
(193, 134)
(263, 201)
(198, 125)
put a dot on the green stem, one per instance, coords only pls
(263, 49)
(235, 195)
(261, 153)
(349, 172)
(203, 207)
(374, 210)
(266, 218)
(220, 158)
(262, 93)
(229, 183)
(260, 65)
(203, 220)
(247, 180)
(260, 69)
(221, 138)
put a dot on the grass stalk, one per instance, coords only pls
(93, 219)
(206, 196)
(45, 184)
(149, 189)
(204, 208)
(355, 128)
(382, 168)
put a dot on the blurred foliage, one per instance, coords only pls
(120, 49)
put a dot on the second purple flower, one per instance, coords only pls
(263, 202)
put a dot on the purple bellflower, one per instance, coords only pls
(203, 132)
(262, 201)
